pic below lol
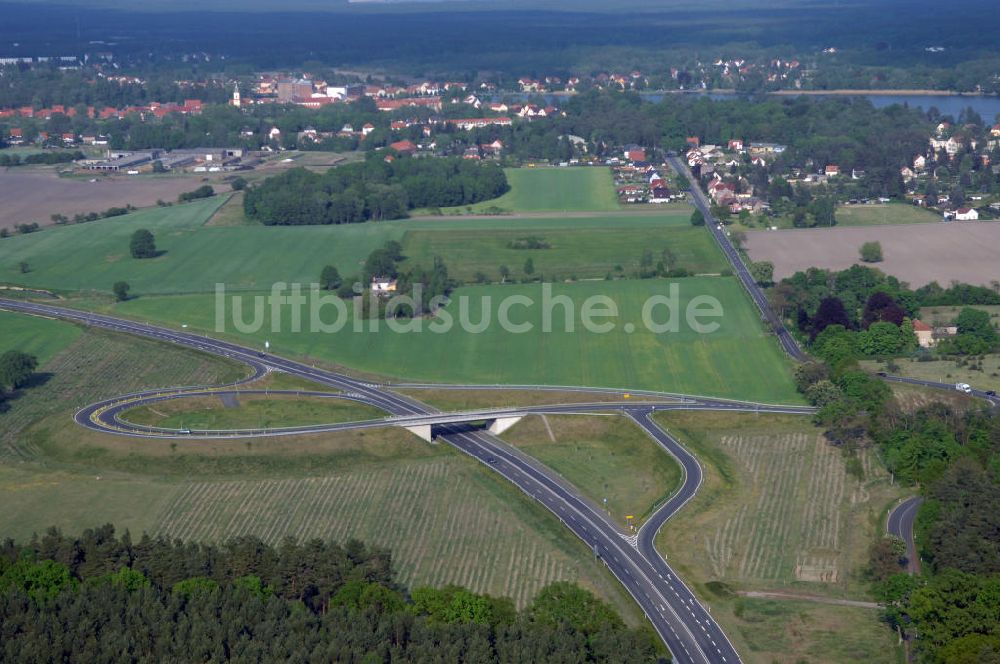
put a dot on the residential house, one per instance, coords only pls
(966, 214)
(832, 170)
(404, 147)
(383, 285)
(925, 334)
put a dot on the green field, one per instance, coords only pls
(577, 189)
(574, 252)
(609, 458)
(736, 360)
(778, 512)
(93, 256)
(884, 214)
(41, 337)
(257, 411)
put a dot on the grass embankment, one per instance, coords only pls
(778, 511)
(41, 337)
(457, 399)
(609, 458)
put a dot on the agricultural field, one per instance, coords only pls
(34, 195)
(941, 316)
(257, 411)
(917, 254)
(569, 252)
(203, 244)
(607, 457)
(884, 215)
(41, 337)
(781, 511)
(446, 519)
(576, 189)
(736, 360)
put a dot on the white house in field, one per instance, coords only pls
(966, 214)
(383, 285)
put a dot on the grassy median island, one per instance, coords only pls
(737, 360)
(258, 411)
(779, 512)
(607, 457)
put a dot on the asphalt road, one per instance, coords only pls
(686, 627)
(900, 524)
(785, 338)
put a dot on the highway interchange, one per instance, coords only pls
(684, 624)
(680, 619)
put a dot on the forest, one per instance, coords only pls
(878, 45)
(103, 597)
(376, 189)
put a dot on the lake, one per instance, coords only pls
(987, 107)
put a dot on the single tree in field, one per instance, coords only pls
(529, 267)
(871, 252)
(120, 289)
(16, 368)
(697, 218)
(142, 245)
(504, 274)
(24, 267)
(329, 278)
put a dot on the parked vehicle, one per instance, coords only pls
(963, 387)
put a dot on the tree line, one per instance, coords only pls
(373, 190)
(161, 599)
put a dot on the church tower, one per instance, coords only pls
(236, 96)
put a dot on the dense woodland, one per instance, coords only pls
(373, 190)
(101, 597)
(876, 45)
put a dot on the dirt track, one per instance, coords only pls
(915, 253)
(29, 195)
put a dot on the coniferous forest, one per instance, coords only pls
(101, 597)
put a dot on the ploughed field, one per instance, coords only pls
(29, 194)
(965, 251)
